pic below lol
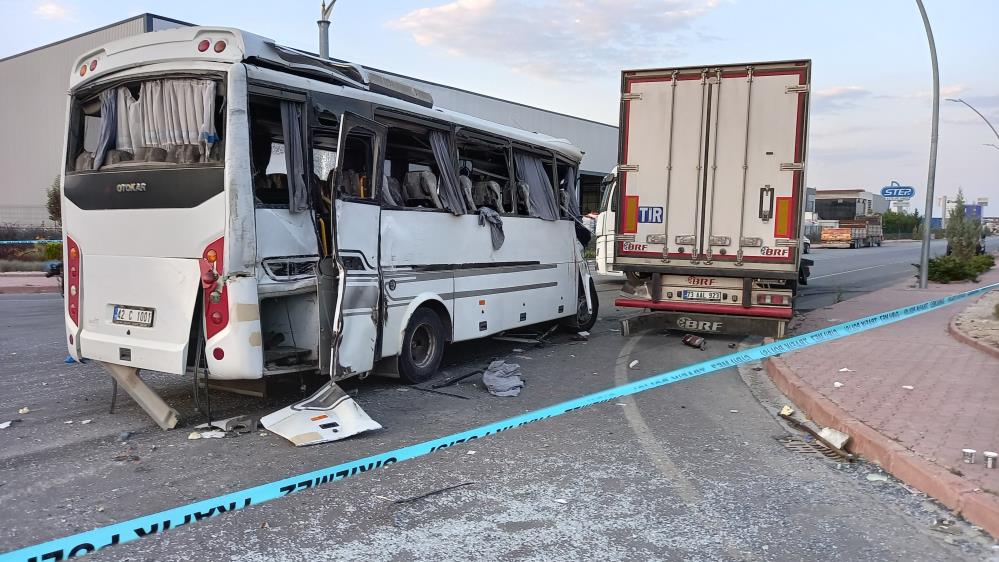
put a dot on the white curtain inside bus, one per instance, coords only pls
(168, 114)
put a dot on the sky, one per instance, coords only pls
(871, 82)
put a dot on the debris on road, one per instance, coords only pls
(561, 501)
(908, 387)
(786, 411)
(193, 435)
(328, 415)
(67, 422)
(948, 526)
(453, 380)
(837, 384)
(24, 410)
(789, 418)
(633, 364)
(990, 458)
(837, 438)
(239, 424)
(968, 455)
(85, 422)
(690, 340)
(847, 370)
(733, 411)
(124, 436)
(581, 336)
(733, 345)
(517, 350)
(877, 477)
(6, 424)
(503, 379)
(217, 434)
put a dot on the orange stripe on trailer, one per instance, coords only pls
(782, 214)
(629, 224)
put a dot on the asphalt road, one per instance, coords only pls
(839, 274)
(692, 471)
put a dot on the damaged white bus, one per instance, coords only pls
(247, 209)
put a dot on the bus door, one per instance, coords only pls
(356, 225)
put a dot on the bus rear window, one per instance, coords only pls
(173, 122)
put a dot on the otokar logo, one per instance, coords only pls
(130, 187)
(699, 325)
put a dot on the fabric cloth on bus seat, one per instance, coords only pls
(392, 192)
(536, 173)
(447, 187)
(465, 183)
(422, 186)
(495, 222)
(167, 113)
(488, 193)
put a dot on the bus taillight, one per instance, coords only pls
(215, 298)
(74, 278)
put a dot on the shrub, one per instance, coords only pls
(996, 312)
(945, 269)
(53, 251)
(983, 263)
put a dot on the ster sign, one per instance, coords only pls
(896, 192)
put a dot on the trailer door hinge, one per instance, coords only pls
(796, 89)
(792, 166)
(631, 96)
(627, 167)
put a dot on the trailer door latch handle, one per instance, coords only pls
(766, 203)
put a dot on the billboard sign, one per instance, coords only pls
(896, 192)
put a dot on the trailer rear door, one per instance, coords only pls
(712, 168)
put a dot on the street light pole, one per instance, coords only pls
(959, 100)
(924, 258)
(324, 30)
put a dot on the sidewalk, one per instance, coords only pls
(917, 434)
(28, 282)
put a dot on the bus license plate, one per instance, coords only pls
(702, 295)
(133, 316)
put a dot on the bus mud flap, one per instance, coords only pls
(328, 415)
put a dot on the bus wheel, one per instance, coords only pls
(422, 347)
(584, 319)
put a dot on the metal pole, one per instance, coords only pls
(924, 258)
(324, 29)
(959, 100)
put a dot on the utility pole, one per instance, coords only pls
(924, 258)
(324, 29)
(959, 100)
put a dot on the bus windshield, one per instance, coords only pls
(151, 123)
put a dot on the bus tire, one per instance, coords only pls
(422, 347)
(584, 319)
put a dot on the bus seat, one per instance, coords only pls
(115, 156)
(466, 190)
(350, 184)
(422, 186)
(392, 192)
(276, 192)
(524, 193)
(488, 194)
(85, 161)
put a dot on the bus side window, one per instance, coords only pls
(482, 167)
(267, 159)
(536, 195)
(410, 170)
(355, 181)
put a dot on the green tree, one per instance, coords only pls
(962, 233)
(54, 201)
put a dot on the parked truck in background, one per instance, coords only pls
(709, 196)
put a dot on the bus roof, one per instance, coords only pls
(178, 45)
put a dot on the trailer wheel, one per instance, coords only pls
(584, 319)
(422, 347)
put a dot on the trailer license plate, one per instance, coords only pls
(133, 315)
(702, 295)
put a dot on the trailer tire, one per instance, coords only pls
(422, 347)
(584, 319)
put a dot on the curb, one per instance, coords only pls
(976, 506)
(28, 290)
(960, 336)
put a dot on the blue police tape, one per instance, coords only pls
(2, 242)
(125, 531)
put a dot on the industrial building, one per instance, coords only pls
(34, 89)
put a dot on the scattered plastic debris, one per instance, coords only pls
(329, 414)
(67, 422)
(948, 526)
(968, 455)
(470, 452)
(633, 364)
(124, 436)
(24, 410)
(85, 422)
(836, 438)
(786, 410)
(583, 333)
(517, 350)
(239, 424)
(847, 370)
(908, 387)
(990, 458)
(837, 384)
(733, 411)
(561, 501)
(100, 509)
(69, 360)
(877, 477)
(193, 435)
(503, 379)
(6, 424)
(732, 345)
(690, 340)
(217, 434)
